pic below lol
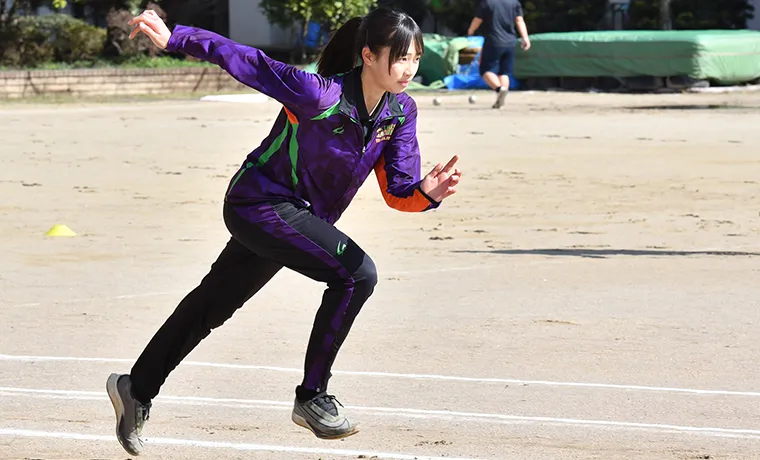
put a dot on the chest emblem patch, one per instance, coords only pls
(385, 133)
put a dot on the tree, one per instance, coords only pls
(333, 14)
(576, 15)
(563, 15)
(691, 14)
(287, 13)
(328, 13)
(417, 9)
(456, 15)
(708, 14)
(8, 13)
(540, 15)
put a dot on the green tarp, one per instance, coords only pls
(724, 56)
(441, 56)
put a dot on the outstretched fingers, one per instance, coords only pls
(450, 165)
(436, 170)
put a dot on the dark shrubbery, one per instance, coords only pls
(33, 40)
(117, 43)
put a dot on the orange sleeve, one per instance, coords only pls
(416, 202)
(398, 168)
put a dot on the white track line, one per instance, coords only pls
(402, 412)
(107, 299)
(247, 98)
(137, 106)
(609, 386)
(444, 270)
(236, 403)
(182, 292)
(10, 432)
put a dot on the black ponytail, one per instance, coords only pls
(381, 28)
(340, 53)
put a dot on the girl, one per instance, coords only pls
(335, 127)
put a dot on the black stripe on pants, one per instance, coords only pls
(265, 238)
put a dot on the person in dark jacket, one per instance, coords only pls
(501, 21)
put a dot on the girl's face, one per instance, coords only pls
(401, 72)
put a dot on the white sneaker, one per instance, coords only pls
(501, 98)
(320, 415)
(131, 414)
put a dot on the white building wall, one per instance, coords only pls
(249, 26)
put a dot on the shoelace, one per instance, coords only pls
(327, 403)
(143, 413)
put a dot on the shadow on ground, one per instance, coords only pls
(604, 253)
(691, 107)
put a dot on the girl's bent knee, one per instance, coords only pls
(366, 274)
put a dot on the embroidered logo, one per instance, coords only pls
(385, 133)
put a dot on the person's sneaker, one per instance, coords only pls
(131, 414)
(320, 415)
(501, 98)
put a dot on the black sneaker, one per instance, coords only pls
(131, 414)
(320, 415)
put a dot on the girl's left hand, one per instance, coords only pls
(153, 26)
(442, 181)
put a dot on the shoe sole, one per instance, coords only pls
(300, 421)
(118, 407)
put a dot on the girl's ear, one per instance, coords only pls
(367, 56)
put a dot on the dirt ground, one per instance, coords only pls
(590, 293)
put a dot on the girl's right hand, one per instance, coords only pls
(441, 182)
(153, 26)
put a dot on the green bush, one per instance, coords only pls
(79, 41)
(33, 40)
(24, 45)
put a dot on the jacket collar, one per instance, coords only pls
(352, 89)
